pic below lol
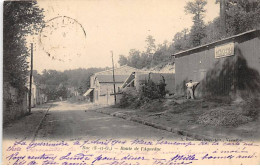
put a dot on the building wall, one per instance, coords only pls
(103, 88)
(104, 93)
(249, 67)
(14, 105)
(195, 67)
(108, 88)
(221, 76)
(92, 81)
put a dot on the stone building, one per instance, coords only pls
(102, 85)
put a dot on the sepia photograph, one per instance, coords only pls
(131, 82)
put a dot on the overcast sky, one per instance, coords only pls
(118, 25)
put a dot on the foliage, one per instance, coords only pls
(20, 20)
(196, 8)
(162, 54)
(62, 91)
(122, 60)
(134, 58)
(242, 15)
(213, 31)
(53, 80)
(129, 100)
(57, 83)
(197, 31)
(151, 57)
(150, 44)
(181, 40)
(79, 78)
(149, 92)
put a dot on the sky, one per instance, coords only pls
(110, 25)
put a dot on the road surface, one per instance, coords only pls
(68, 121)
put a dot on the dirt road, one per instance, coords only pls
(76, 121)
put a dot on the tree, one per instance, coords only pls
(62, 91)
(162, 54)
(134, 58)
(55, 83)
(145, 60)
(21, 18)
(150, 44)
(197, 8)
(182, 40)
(58, 83)
(197, 33)
(242, 15)
(213, 31)
(122, 60)
(178, 41)
(151, 57)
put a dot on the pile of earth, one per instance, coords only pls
(223, 117)
(232, 115)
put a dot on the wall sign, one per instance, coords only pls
(224, 50)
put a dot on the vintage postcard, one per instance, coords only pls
(130, 82)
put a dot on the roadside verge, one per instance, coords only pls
(28, 126)
(177, 125)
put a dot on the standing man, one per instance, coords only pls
(190, 89)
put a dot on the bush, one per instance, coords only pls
(126, 100)
(153, 91)
(148, 92)
(129, 100)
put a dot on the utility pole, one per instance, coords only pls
(114, 77)
(30, 87)
(223, 17)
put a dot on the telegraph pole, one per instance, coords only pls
(114, 77)
(223, 16)
(30, 87)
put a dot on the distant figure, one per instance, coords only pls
(190, 89)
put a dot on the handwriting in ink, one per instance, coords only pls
(106, 142)
(79, 156)
(165, 142)
(141, 142)
(43, 157)
(207, 156)
(34, 144)
(101, 157)
(130, 157)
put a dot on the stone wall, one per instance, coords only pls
(14, 105)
